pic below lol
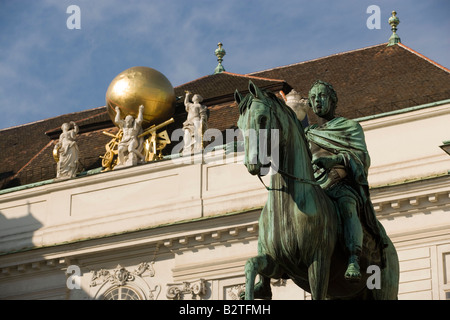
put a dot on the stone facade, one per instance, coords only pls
(183, 228)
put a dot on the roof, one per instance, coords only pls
(22, 147)
(220, 87)
(368, 81)
(218, 90)
(371, 80)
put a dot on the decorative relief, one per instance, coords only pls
(120, 276)
(235, 292)
(177, 291)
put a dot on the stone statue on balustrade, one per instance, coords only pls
(66, 152)
(130, 146)
(195, 125)
(299, 104)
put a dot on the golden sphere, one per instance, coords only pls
(141, 86)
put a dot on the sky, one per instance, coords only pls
(48, 69)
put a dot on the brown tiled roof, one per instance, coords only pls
(220, 87)
(368, 81)
(218, 90)
(371, 80)
(21, 146)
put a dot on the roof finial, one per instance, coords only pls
(394, 21)
(220, 52)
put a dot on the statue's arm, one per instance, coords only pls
(117, 118)
(330, 161)
(76, 129)
(140, 116)
(186, 101)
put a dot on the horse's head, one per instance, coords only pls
(259, 127)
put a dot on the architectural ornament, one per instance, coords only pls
(235, 292)
(120, 275)
(177, 291)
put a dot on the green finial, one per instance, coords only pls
(394, 21)
(220, 52)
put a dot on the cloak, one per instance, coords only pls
(346, 137)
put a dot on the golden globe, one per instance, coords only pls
(141, 86)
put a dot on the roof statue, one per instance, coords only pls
(66, 152)
(300, 233)
(300, 105)
(195, 125)
(146, 98)
(130, 146)
(220, 53)
(394, 21)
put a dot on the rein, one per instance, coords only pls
(290, 176)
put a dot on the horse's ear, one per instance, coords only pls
(254, 90)
(237, 97)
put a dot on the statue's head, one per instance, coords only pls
(65, 127)
(129, 120)
(197, 98)
(323, 99)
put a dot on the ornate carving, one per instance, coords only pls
(177, 291)
(235, 292)
(120, 276)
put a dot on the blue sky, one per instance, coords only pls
(47, 69)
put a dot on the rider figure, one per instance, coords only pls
(341, 162)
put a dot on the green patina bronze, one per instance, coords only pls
(317, 227)
(394, 21)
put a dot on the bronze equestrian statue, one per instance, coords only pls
(318, 226)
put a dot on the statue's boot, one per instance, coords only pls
(353, 272)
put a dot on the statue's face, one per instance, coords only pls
(196, 98)
(321, 101)
(129, 120)
(65, 127)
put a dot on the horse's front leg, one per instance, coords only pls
(265, 267)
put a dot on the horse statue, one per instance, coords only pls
(300, 236)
